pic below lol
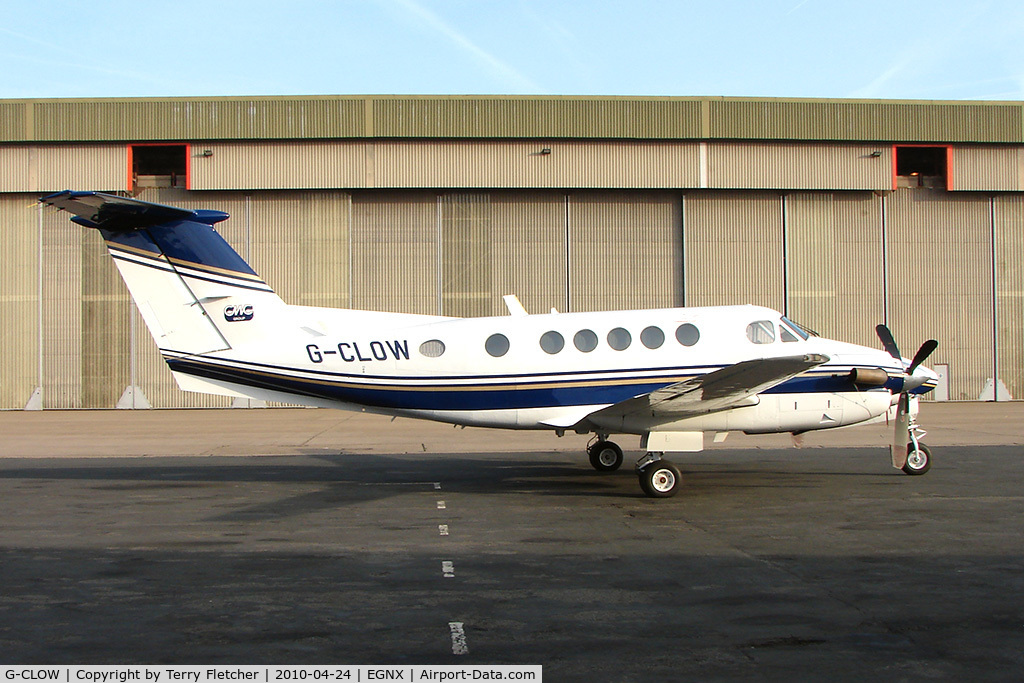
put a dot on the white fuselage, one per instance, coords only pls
(441, 369)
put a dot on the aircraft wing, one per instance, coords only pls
(728, 387)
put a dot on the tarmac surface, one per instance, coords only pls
(315, 536)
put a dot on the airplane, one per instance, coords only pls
(668, 375)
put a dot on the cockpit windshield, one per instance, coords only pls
(805, 333)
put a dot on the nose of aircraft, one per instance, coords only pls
(920, 377)
(915, 374)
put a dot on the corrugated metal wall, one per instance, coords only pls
(379, 116)
(529, 251)
(799, 166)
(14, 117)
(451, 165)
(19, 300)
(279, 165)
(834, 279)
(62, 310)
(490, 117)
(15, 169)
(394, 252)
(106, 351)
(465, 255)
(861, 120)
(301, 240)
(525, 164)
(1008, 212)
(625, 250)
(940, 282)
(991, 169)
(733, 249)
(52, 168)
(197, 118)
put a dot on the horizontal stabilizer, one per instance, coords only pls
(110, 212)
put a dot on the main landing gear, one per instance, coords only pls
(605, 455)
(658, 478)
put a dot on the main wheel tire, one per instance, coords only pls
(919, 461)
(605, 456)
(660, 479)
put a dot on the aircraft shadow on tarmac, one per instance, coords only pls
(351, 479)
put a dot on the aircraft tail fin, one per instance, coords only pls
(196, 294)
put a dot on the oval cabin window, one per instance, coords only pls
(552, 342)
(432, 349)
(687, 334)
(497, 345)
(619, 339)
(585, 340)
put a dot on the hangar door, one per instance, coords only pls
(734, 250)
(458, 253)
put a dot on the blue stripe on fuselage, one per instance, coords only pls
(523, 392)
(435, 397)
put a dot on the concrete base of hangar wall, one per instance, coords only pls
(35, 401)
(133, 398)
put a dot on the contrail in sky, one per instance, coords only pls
(519, 80)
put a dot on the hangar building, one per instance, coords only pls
(842, 214)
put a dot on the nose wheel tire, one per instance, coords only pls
(605, 456)
(660, 479)
(919, 459)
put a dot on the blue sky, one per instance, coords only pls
(789, 48)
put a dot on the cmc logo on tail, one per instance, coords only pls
(240, 313)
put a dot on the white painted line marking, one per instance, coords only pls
(448, 569)
(458, 638)
(441, 505)
(442, 529)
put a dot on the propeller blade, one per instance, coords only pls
(901, 432)
(888, 343)
(922, 353)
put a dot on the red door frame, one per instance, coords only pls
(188, 160)
(949, 162)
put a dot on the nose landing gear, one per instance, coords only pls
(908, 451)
(919, 456)
(919, 459)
